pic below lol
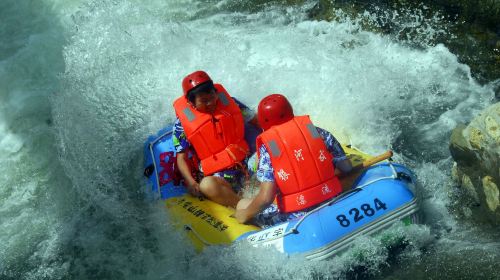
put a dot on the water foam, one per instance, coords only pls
(123, 67)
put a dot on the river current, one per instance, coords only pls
(84, 83)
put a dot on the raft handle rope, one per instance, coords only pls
(294, 229)
(154, 160)
(330, 203)
(197, 235)
(394, 175)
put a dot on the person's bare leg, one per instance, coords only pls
(219, 190)
(243, 203)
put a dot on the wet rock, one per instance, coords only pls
(466, 183)
(473, 32)
(484, 12)
(475, 26)
(459, 146)
(476, 151)
(491, 193)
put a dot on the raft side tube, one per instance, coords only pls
(159, 153)
(339, 220)
(377, 205)
(337, 246)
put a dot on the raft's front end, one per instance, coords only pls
(205, 222)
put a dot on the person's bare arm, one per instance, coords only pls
(263, 199)
(343, 166)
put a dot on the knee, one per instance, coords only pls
(208, 185)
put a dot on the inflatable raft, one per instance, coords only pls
(379, 196)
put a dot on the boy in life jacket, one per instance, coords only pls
(296, 165)
(211, 125)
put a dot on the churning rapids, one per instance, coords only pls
(82, 84)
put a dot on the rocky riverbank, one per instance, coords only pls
(476, 151)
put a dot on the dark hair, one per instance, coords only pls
(201, 88)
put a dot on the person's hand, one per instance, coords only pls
(241, 216)
(194, 189)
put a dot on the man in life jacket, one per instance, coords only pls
(210, 127)
(296, 165)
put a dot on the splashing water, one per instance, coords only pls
(99, 77)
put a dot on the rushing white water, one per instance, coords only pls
(97, 78)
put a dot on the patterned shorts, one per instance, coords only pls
(234, 177)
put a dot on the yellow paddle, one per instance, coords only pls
(372, 161)
(348, 178)
(369, 162)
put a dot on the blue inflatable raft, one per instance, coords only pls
(380, 196)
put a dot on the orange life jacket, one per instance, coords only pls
(303, 168)
(217, 138)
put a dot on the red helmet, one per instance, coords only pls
(193, 80)
(274, 109)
